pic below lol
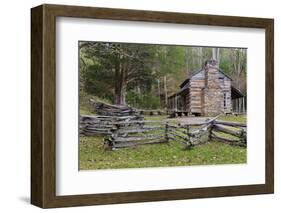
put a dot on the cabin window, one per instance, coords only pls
(224, 100)
(221, 79)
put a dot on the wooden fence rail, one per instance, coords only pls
(191, 134)
(229, 132)
(133, 133)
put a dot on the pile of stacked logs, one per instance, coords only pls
(107, 115)
(102, 125)
(114, 110)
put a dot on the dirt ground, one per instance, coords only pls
(190, 120)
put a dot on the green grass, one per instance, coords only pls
(238, 118)
(156, 117)
(85, 107)
(85, 110)
(94, 156)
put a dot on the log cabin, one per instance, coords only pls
(208, 92)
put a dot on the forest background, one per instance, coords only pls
(145, 75)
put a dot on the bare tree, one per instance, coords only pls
(165, 90)
(238, 60)
(216, 54)
(200, 56)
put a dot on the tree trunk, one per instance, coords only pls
(237, 56)
(120, 93)
(123, 94)
(216, 55)
(117, 88)
(159, 91)
(165, 90)
(238, 68)
(200, 57)
(187, 61)
(120, 85)
(117, 92)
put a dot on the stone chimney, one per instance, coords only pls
(212, 93)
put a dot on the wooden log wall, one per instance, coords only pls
(195, 95)
(239, 105)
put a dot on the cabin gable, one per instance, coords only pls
(209, 91)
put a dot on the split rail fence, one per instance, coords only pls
(191, 135)
(131, 131)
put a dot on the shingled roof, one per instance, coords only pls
(236, 93)
(187, 80)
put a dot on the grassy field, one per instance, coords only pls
(239, 118)
(94, 156)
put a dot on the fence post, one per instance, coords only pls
(187, 131)
(189, 143)
(166, 131)
(114, 134)
(244, 137)
(210, 130)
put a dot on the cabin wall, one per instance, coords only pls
(179, 102)
(226, 89)
(188, 101)
(171, 103)
(239, 105)
(195, 95)
(183, 101)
